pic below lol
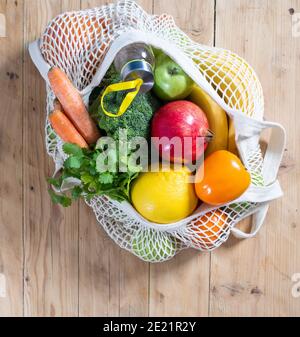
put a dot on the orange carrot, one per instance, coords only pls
(73, 105)
(65, 129)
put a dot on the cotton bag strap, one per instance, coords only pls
(258, 218)
(247, 138)
(38, 60)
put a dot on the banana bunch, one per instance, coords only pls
(221, 126)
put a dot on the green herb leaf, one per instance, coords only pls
(54, 182)
(60, 199)
(106, 178)
(76, 192)
(72, 149)
(72, 163)
(86, 178)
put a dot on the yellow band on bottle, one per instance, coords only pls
(136, 84)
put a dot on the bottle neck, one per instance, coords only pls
(135, 65)
(139, 69)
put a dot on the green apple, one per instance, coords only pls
(152, 246)
(156, 52)
(171, 82)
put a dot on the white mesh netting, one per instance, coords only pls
(77, 42)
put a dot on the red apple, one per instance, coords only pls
(183, 121)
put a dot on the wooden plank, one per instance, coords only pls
(111, 281)
(70, 5)
(51, 233)
(180, 287)
(196, 18)
(11, 201)
(253, 278)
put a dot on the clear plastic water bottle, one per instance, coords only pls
(136, 61)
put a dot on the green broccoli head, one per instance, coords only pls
(136, 120)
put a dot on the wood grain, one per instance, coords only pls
(180, 287)
(70, 5)
(194, 17)
(57, 262)
(51, 234)
(253, 278)
(11, 201)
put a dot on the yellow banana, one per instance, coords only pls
(231, 138)
(217, 119)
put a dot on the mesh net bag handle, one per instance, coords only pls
(80, 43)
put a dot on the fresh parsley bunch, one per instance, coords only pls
(87, 166)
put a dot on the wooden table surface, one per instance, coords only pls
(57, 262)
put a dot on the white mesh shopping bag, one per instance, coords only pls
(83, 44)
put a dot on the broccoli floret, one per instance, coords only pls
(136, 120)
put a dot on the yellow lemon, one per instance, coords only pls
(165, 196)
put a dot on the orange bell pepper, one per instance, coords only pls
(221, 179)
